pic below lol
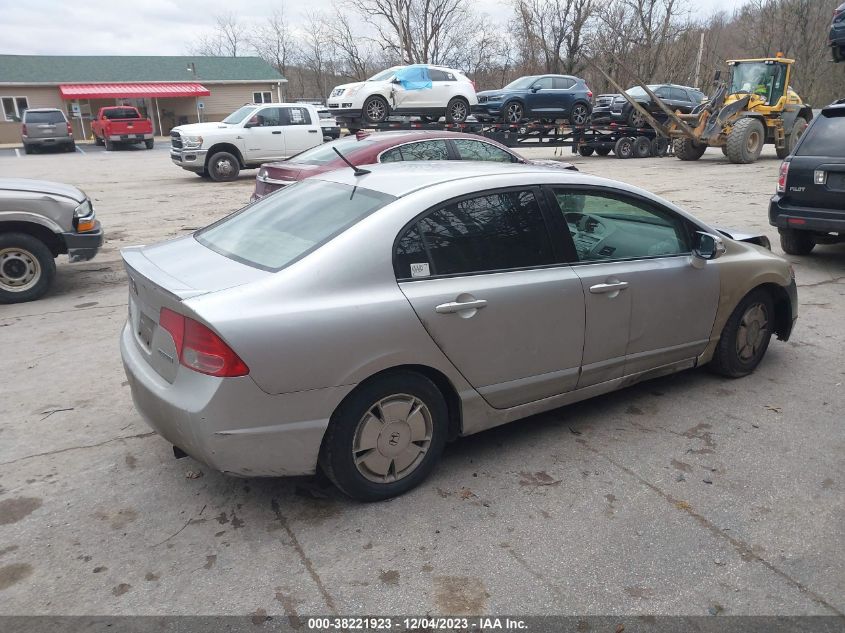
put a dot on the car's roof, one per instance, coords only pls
(402, 178)
(43, 110)
(836, 106)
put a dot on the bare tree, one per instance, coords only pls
(354, 53)
(556, 30)
(318, 52)
(274, 41)
(228, 38)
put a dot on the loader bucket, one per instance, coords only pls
(716, 124)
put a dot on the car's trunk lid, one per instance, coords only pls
(166, 275)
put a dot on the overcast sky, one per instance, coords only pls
(159, 27)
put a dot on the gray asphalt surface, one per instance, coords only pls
(688, 495)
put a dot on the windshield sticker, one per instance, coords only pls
(420, 270)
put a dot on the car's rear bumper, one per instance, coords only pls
(332, 131)
(785, 215)
(264, 186)
(83, 246)
(29, 141)
(122, 138)
(230, 424)
(190, 159)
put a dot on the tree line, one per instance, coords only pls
(657, 41)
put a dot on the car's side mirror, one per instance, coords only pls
(396, 81)
(536, 88)
(251, 124)
(708, 246)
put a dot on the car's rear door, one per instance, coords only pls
(816, 175)
(646, 305)
(301, 129)
(484, 278)
(563, 95)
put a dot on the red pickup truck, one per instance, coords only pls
(121, 124)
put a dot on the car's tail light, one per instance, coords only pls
(589, 94)
(23, 129)
(784, 171)
(199, 348)
(69, 129)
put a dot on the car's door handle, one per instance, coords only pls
(312, 131)
(277, 131)
(459, 306)
(599, 289)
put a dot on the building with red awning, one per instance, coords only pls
(169, 90)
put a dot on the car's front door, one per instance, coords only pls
(482, 276)
(540, 99)
(646, 305)
(264, 136)
(301, 130)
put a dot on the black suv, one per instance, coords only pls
(809, 206)
(615, 108)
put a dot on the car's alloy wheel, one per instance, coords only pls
(637, 119)
(375, 110)
(579, 114)
(514, 113)
(392, 438)
(223, 166)
(457, 111)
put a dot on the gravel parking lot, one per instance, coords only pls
(690, 494)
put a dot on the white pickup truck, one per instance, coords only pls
(252, 135)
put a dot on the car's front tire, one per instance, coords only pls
(375, 109)
(27, 268)
(513, 112)
(223, 167)
(746, 335)
(385, 438)
(796, 242)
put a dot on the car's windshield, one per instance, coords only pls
(824, 138)
(282, 228)
(385, 74)
(758, 78)
(637, 91)
(520, 84)
(239, 115)
(50, 116)
(120, 113)
(325, 153)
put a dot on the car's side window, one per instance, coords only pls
(562, 83)
(268, 117)
(440, 75)
(611, 226)
(422, 150)
(678, 95)
(496, 231)
(296, 116)
(663, 92)
(478, 150)
(545, 83)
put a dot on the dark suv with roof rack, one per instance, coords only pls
(809, 206)
(614, 108)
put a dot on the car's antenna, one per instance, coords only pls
(358, 171)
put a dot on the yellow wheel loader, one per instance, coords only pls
(756, 106)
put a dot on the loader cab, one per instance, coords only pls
(766, 79)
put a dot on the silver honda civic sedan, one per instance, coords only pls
(359, 320)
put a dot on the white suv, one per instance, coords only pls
(422, 90)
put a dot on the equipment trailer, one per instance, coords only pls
(624, 142)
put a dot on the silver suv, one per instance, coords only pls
(39, 221)
(46, 127)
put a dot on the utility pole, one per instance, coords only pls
(698, 61)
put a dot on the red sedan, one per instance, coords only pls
(387, 147)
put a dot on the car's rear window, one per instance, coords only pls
(325, 153)
(282, 228)
(53, 116)
(120, 113)
(824, 137)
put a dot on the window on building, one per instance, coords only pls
(262, 97)
(14, 107)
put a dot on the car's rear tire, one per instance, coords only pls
(375, 109)
(746, 336)
(796, 242)
(223, 167)
(687, 149)
(580, 114)
(109, 145)
(636, 119)
(586, 150)
(385, 437)
(642, 147)
(457, 110)
(624, 147)
(149, 143)
(746, 140)
(27, 149)
(659, 146)
(97, 140)
(27, 268)
(795, 134)
(70, 147)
